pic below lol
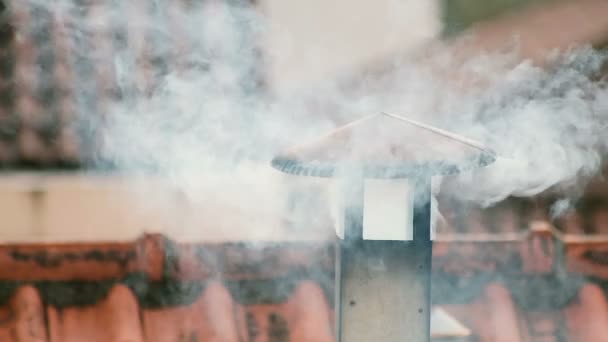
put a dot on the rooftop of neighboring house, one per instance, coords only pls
(73, 268)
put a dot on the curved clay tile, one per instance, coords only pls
(116, 318)
(308, 314)
(58, 76)
(305, 316)
(82, 261)
(67, 261)
(493, 316)
(213, 317)
(9, 152)
(23, 318)
(587, 315)
(599, 220)
(218, 307)
(256, 305)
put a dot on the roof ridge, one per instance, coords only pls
(464, 140)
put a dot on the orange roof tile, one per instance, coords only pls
(212, 316)
(23, 317)
(115, 318)
(117, 292)
(165, 291)
(529, 31)
(52, 95)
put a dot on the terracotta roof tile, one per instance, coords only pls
(115, 318)
(585, 316)
(522, 281)
(76, 261)
(495, 316)
(214, 316)
(313, 318)
(286, 301)
(51, 93)
(147, 290)
(23, 318)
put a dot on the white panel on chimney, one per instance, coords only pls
(388, 210)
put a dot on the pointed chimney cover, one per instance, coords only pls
(385, 146)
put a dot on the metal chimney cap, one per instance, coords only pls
(385, 146)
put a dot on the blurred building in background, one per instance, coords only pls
(76, 265)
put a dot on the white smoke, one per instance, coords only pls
(205, 127)
(548, 125)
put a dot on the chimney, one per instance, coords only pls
(383, 165)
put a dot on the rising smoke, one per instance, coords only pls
(202, 123)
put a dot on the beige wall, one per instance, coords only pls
(78, 207)
(67, 207)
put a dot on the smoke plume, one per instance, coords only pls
(204, 123)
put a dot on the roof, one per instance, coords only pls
(156, 289)
(54, 97)
(535, 27)
(528, 31)
(458, 15)
(48, 120)
(385, 145)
